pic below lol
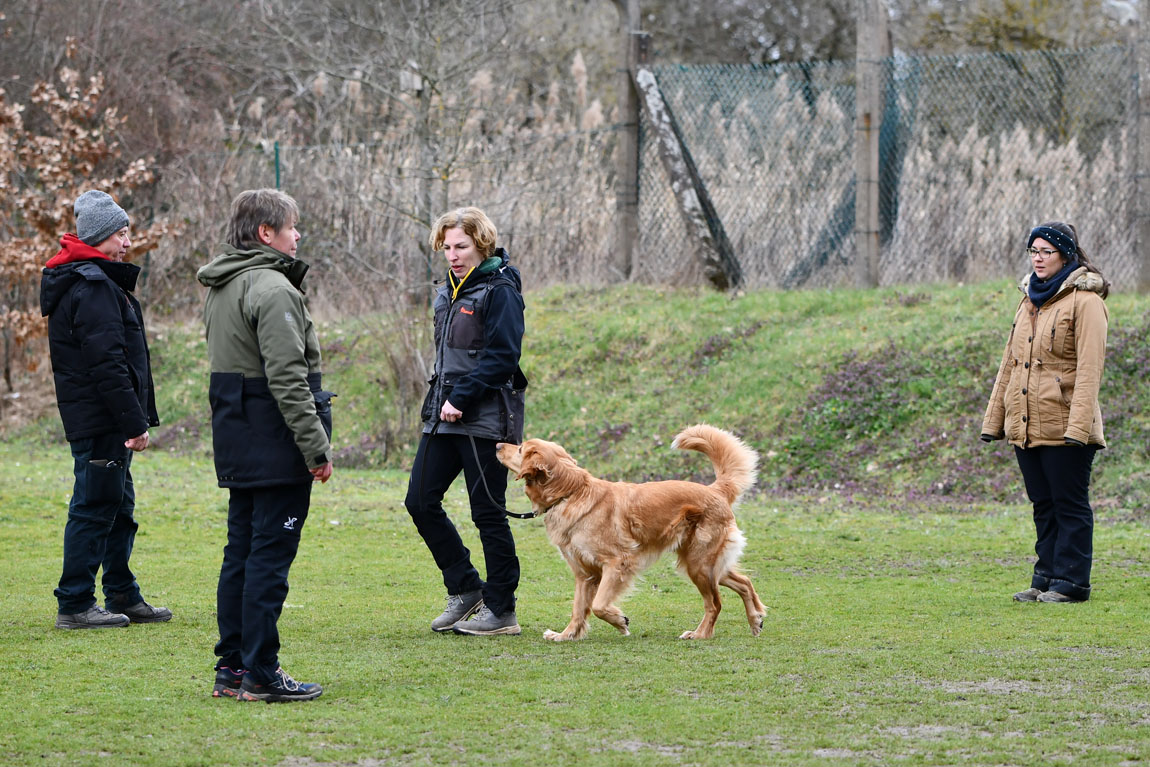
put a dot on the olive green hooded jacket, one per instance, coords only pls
(259, 328)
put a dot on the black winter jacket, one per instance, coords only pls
(478, 341)
(99, 351)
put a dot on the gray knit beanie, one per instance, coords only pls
(98, 217)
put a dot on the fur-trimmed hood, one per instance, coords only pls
(1080, 279)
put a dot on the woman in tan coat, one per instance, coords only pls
(1045, 403)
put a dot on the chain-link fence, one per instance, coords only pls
(974, 150)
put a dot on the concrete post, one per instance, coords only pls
(873, 48)
(1142, 156)
(627, 157)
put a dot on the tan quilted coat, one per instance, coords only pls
(1046, 391)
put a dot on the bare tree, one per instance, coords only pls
(751, 31)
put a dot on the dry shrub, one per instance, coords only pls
(61, 144)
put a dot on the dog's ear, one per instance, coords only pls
(533, 469)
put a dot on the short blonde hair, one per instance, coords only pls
(474, 223)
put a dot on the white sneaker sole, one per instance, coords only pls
(505, 630)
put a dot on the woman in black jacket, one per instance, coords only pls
(474, 401)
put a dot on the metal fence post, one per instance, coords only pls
(627, 159)
(872, 50)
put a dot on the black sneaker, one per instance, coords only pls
(282, 688)
(95, 617)
(141, 612)
(228, 682)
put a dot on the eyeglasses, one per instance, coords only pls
(1044, 254)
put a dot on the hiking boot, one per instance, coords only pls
(95, 617)
(141, 612)
(460, 607)
(228, 682)
(1055, 596)
(282, 688)
(486, 623)
(1030, 595)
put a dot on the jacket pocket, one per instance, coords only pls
(433, 401)
(323, 409)
(465, 326)
(512, 408)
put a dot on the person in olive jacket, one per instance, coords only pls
(1045, 404)
(271, 435)
(474, 401)
(104, 391)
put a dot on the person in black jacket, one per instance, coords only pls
(474, 401)
(104, 391)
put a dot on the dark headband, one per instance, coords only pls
(1060, 240)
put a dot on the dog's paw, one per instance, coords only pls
(556, 636)
(694, 635)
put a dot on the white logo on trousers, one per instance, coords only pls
(290, 524)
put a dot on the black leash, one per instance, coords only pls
(482, 475)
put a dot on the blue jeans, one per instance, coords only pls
(100, 530)
(1058, 484)
(264, 526)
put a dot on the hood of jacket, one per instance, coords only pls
(1080, 279)
(233, 262)
(78, 261)
(73, 249)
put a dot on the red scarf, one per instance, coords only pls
(72, 248)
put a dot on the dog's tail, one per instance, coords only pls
(736, 464)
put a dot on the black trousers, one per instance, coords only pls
(1058, 484)
(438, 461)
(264, 527)
(101, 527)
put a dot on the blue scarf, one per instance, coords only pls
(1041, 291)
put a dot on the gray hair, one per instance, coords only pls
(255, 207)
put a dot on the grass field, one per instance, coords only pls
(890, 638)
(886, 541)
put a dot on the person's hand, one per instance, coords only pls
(322, 473)
(138, 443)
(449, 412)
(986, 437)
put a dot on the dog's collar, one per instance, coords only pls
(560, 502)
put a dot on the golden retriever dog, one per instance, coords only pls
(609, 532)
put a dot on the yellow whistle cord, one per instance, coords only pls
(459, 285)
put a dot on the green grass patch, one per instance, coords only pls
(876, 393)
(890, 637)
(884, 538)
